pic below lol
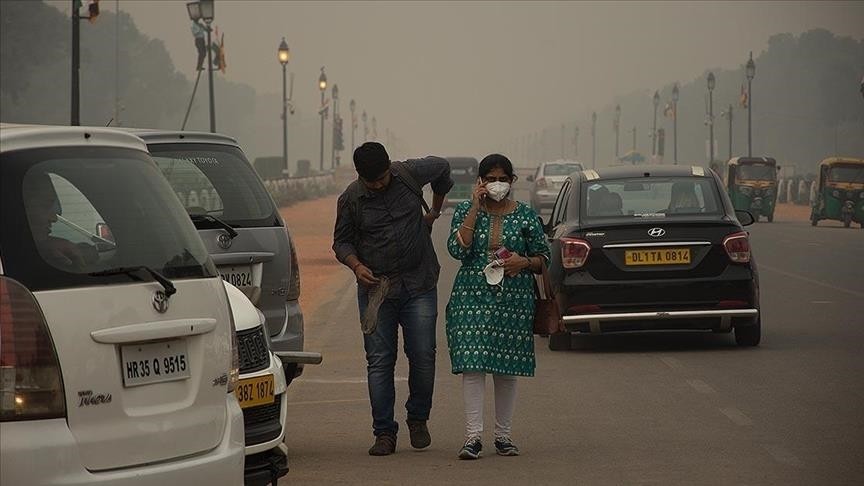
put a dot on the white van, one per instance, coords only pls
(118, 359)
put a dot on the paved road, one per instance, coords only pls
(629, 409)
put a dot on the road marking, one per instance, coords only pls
(736, 416)
(701, 387)
(810, 280)
(325, 402)
(671, 362)
(348, 381)
(782, 456)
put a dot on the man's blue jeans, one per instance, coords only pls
(417, 316)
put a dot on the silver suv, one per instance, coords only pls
(241, 228)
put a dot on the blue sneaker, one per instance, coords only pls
(471, 449)
(505, 447)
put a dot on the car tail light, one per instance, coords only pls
(737, 246)
(574, 252)
(31, 386)
(294, 284)
(541, 183)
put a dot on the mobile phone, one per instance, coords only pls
(502, 253)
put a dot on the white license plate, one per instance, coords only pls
(238, 276)
(144, 364)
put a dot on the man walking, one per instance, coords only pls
(383, 236)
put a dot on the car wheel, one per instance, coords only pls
(749, 335)
(771, 218)
(814, 221)
(559, 341)
(847, 221)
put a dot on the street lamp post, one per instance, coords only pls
(616, 124)
(594, 140)
(675, 95)
(751, 73)
(729, 116)
(365, 127)
(284, 55)
(352, 106)
(711, 84)
(322, 86)
(204, 10)
(634, 139)
(656, 102)
(335, 96)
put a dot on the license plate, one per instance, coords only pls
(144, 364)
(256, 391)
(664, 256)
(238, 276)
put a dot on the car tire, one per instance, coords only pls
(771, 218)
(560, 341)
(749, 335)
(814, 221)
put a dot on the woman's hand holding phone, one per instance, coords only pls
(479, 193)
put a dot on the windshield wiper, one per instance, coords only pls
(213, 219)
(166, 284)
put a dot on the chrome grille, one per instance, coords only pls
(253, 350)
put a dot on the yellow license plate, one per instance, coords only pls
(252, 392)
(661, 256)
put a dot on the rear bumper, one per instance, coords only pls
(542, 199)
(721, 320)
(264, 468)
(45, 452)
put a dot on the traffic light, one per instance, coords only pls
(661, 138)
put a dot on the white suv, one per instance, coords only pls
(118, 357)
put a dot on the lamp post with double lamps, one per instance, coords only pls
(711, 84)
(284, 55)
(656, 102)
(751, 73)
(352, 106)
(675, 95)
(204, 10)
(322, 86)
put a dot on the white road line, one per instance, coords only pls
(736, 416)
(701, 387)
(810, 280)
(347, 381)
(671, 362)
(325, 402)
(782, 456)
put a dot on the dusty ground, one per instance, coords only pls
(311, 225)
(791, 212)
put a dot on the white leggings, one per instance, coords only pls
(473, 387)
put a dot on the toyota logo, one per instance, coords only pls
(656, 232)
(224, 241)
(160, 302)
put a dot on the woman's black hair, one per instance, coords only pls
(493, 161)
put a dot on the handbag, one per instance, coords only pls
(547, 316)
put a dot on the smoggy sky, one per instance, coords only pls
(463, 76)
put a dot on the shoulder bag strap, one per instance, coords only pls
(411, 182)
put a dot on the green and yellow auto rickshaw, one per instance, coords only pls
(463, 171)
(839, 193)
(752, 185)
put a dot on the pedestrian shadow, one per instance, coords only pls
(652, 341)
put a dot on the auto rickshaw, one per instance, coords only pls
(463, 171)
(839, 193)
(752, 185)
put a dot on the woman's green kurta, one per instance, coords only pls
(489, 327)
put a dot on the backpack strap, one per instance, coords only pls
(410, 181)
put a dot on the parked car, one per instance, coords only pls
(547, 180)
(261, 393)
(241, 228)
(118, 360)
(652, 248)
(463, 171)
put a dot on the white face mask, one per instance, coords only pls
(494, 273)
(498, 190)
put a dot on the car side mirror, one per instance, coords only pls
(530, 178)
(744, 217)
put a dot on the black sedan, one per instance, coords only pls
(651, 248)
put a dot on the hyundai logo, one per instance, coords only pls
(656, 232)
(160, 302)
(224, 241)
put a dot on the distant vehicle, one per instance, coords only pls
(118, 361)
(547, 180)
(752, 185)
(463, 171)
(652, 248)
(839, 191)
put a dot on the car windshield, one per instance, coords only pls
(759, 172)
(216, 180)
(86, 210)
(560, 169)
(847, 173)
(649, 197)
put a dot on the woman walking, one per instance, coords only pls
(500, 242)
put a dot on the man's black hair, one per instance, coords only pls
(371, 160)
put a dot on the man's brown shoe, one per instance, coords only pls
(420, 438)
(385, 444)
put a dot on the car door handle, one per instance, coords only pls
(149, 331)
